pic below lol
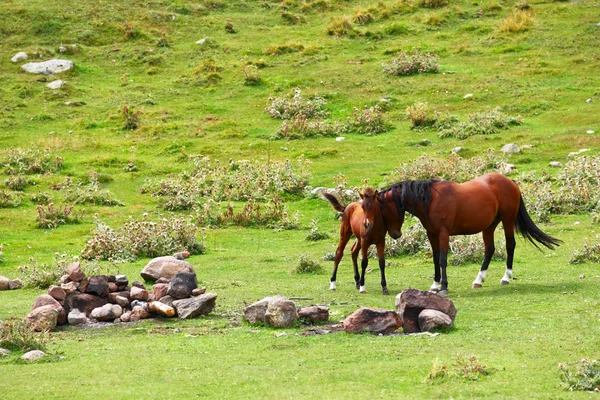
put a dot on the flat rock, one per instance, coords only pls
(42, 318)
(33, 355)
(182, 285)
(314, 313)
(57, 84)
(48, 67)
(165, 267)
(374, 320)
(20, 56)
(199, 291)
(77, 317)
(281, 313)
(108, 312)
(195, 306)
(411, 302)
(433, 319)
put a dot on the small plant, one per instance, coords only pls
(464, 368)
(315, 234)
(470, 249)
(9, 199)
(252, 75)
(19, 161)
(17, 182)
(89, 194)
(163, 42)
(418, 115)
(368, 120)
(340, 26)
(307, 266)
(285, 48)
(41, 198)
(15, 334)
(590, 252)
(300, 127)
(362, 17)
(292, 19)
(229, 26)
(433, 3)
(412, 64)
(518, 21)
(483, 123)
(132, 118)
(51, 216)
(295, 104)
(581, 375)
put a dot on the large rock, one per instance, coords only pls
(57, 293)
(195, 306)
(33, 355)
(182, 285)
(281, 313)
(42, 318)
(255, 312)
(165, 267)
(75, 273)
(137, 314)
(510, 148)
(314, 313)
(433, 319)
(48, 67)
(161, 309)
(4, 352)
(4, 282)
(374, 320)
(137, 293)
(159, 290)
(411, 302)
(70, 287)
(83, 302)
(98, 286)
(108, 312)
(77, 317)
(47, 300)
(15, 284)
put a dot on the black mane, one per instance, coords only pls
(416, 191)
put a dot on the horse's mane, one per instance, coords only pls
(416, 191)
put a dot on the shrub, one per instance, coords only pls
(470, 249)
(411, 64)
(464, 368)
(51, 216)
(369, 120)
(518, 21)
(581, 375)
(15, 334)
(142, 238)
(41, 198)
(307, 266)
(295, 104)
(292, 19)
(590, 252)
(432, 3)
(340, 26)
(17, 182)
(252, 75)
(315, 234)
(418, 115)
(483, 123)
(278, 49)
(19, 161)
(89, 194)
(9, 199)
(132, 118)
(362, 17)
(300, 127)
(413, 241)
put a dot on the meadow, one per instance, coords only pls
(180, 110)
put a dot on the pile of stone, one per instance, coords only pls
(10, 284)
(79, 300)
(281, 312)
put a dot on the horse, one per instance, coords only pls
(446, 208)
(363, 220)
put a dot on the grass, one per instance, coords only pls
(186, 98)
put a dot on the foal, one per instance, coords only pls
(364, 220)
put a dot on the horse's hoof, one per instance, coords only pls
(443, 293)
(434, 290)
(503, 282)
(477, 286)
(385, 292)
(362, 290)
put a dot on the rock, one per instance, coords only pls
(126, 316)
(281, 313)
(199, 291)
(207, 41)
(33, 355)
(457, 149)
(64, 279)
(83, 302)
(374, 320)
(108, 312)
(468, 96)
(507, 168)
(112, 287)
(510, 148)
(98, 286)
(163, 280)
(77, 317)
(314, 313)
(411, 302)
(20, 56)
(42, 318)
(138, 284)
(159, 290)
(255, 312)
(138, 294)
(57, 293)
(48, 67)
(555, 164)
(317, 192)
(138, 314)
(433, 319)
(112, 297)
(4, 282)
(161, 309)
(47, 300)
(589, 131)
(195, 306)
(182, 255)
(70, 287)
(75, 273)
(4, 352)
(121, 280)
(139, 303)
(165, 267)
(182, 285)
(122, 301)
(57, 84)
(74, 103)
(340, 139)
(15, 284)
(527, 147)
(168, 300)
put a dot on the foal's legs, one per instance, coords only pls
(509, 234)
(444, 240)
(381, 256)
(435, 249)
(339, 253)
(488, 242)
(363, 264)
(355, 251)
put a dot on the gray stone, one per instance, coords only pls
(33, 355)
(314, 313)
(42, 318)
(139, 303)
(457, 149)
(510, 148)
(48, 67)
(98, 286)
(411, 302)
(20, 56)
(108, 312)
(165, 267)
(281, 313)
(195, 306)
(57, 84)
(121, 280)
(15, 284)
(182, 285)
(4, 352)
(168, 300)
(433, 319)
(255, 312)
(4, 282)
(374, 320)
(207, 41)
(555, 164)
(77, 317)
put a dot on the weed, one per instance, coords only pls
(41, 198)
(411, 64)
(483, 123)
(130, 31)
(369, 120)
(292, 19)
(89, 194)
(9, 199)
(15, 334)
(418, 115)
(590, 252)
(285, 48)
(581, 375)
(315, 234)
(51, 216)
(464, 368)
(340, 26)
(17, 182)
(209, 65)
(229, 26)
(470, 249)
(300, 127)
(163, 42)
(252, 75)
(518, 21)
(432, 3)
(295, 104)
(307, 266)
(362, 16)
(30, 161)
(132, 118)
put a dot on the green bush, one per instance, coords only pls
(307, 266)
(412, 64)
(581, 375)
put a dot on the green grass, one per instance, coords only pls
(522, 332)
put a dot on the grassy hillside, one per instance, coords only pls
(535, 60)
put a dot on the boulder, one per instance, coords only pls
(42, 318)
(126, 316)
(57, 84)
(15, 284)
(121, 280)
(83, 302)
(255, 312)
(20, 56)
(433, 319)
(4, 352)
(161, 309)
(112, 297)
(47, 300)
(159, 290)
(137, 293)
(165, 267)
(137, 314)
(77, 317)
(314, 313)
(195, 306)
(108, 312)
(374, 320)
(4, 282)
(75, 273)
(182, 285)
(98, 286)
(48, 67)
(57, 293)
(281, 313)
(510, 148)
(112, 287)
(122, 301)
(411, 302)
(70, 287)
(33, 355)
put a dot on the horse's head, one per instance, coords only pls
(370, 206)
(392, 212)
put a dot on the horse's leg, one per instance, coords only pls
(355, 251)
(435, 249)
(339, 253)
(444, 241)
(488, 242)
(381, 256)
(509, 234)
(364, 262)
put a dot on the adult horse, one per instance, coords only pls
(446, 208)
(364, 220)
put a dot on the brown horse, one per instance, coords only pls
(446, 209)
(363, 220)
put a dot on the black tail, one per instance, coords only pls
(334, 202)
(531, 232)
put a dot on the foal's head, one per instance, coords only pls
(370, 206)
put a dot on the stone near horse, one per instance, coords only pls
(43, 318)
(374, 320)
(281, 313)
(165, 267)
(182, 285)
(195, 306)
(255, 312)
(433, 319)
(47, 300)
(411, 302)
(314, 313)
(510, 148)
(57, 84)
(20, 56)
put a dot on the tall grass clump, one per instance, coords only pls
(42, 275)
(581, 375)
(9, 199)
(340, 26)
(418, 114)
(518, 21)
(464, 368)
(482, 123)
(368, 120)
(589, 253)
(300, 127)
(89, 193)
(16, 335)
(51, 216)
(30, 161)
(432, 3)
(294, 104)
(307, 266)
(412, 64)
(283, 48)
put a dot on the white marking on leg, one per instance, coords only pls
(478, 282)
(332, 285)
(362, 290)
(435, 287)
(507, 277)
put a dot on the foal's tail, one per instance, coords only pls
(334, 202)
(531, 232)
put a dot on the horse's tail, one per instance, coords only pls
(334, 202)
(531, 232)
